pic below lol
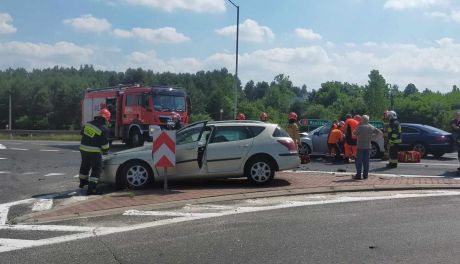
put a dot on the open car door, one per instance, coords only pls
(187, 149)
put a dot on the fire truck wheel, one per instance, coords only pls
(135, 174)
(135, 138)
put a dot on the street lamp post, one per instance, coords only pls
(236, 55)
(9, 123)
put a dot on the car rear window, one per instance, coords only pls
(279, 132)
(256, 130)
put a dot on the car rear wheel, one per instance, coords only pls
(135, 175)
(420, 147)
(260, 171)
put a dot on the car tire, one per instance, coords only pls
(304, 149)
(420, 147)
(259, 171)
(135, 138)
(135, 174)
(374, 152)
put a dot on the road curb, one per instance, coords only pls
(34, 218)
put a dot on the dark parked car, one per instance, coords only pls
(426, 140)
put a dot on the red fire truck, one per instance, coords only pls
(134, 108)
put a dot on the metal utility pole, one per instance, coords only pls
(236, 56)
(9, 124)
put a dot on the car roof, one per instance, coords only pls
(424, 127)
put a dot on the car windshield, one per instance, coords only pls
(169, 103)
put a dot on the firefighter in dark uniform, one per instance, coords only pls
(394, 138)
(455, 123)
(94, 143)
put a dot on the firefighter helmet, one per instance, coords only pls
(263, 117)
(293, 116)
(341, 124)
(240, 116)
(392, 115)
(105, 114)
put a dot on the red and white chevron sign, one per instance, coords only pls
(164, 148)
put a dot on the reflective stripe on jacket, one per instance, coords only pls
(95, 136)
(394, 132)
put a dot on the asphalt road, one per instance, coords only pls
(37, 168)
(414, 230)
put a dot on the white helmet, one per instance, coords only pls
(392, 115)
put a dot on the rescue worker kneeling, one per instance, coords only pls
(94, 143)
(334, 142)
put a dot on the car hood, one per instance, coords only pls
(128, 151)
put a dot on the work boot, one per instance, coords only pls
(83, 183)
(91, 189)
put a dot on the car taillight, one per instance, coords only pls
(441, 138)
(289, 144)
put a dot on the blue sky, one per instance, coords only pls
(311, 41)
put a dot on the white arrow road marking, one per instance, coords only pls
(17, 149)
(4, 208)
(2, 146)
(49, 150)
(54, 174)
(42, 205)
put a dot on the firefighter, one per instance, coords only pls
(386, 123)
(394, 138)
(240, 116)
(174, 122)
(94, 143)
(350, 139)
(293, 128)
(263, 117)
(455, 124)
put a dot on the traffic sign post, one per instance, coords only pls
(164, 151)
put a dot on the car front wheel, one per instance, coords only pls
(420, 147)
(260, 171)
(374, 151)
(135, 175)
(304, 149)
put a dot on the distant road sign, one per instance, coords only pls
(377, 124)
(317, 122)
(303, 122)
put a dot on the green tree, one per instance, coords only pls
(376, 94)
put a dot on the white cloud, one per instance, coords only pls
(39, 55)
(88, 23)
(350, 44)
(160, 35)
(437, 14)
(5, 24)
(201, 6)
(411, 4)
(455, 15)
(308, 34)
(369, 44)
(250, 31)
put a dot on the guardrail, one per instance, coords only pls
(32, 133)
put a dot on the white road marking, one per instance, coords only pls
(18, 149)
(2, 146)
(29, 173)
(160, 213)
(50, 150)
(4, 172)
(54, 174)
(4, 208)
(2, 158)
(370, 173)
(76, 176)
(422, 164)
(47, 228)
(76, 151)
(42, 205)
(88, 232)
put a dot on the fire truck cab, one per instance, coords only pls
(134, 108)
